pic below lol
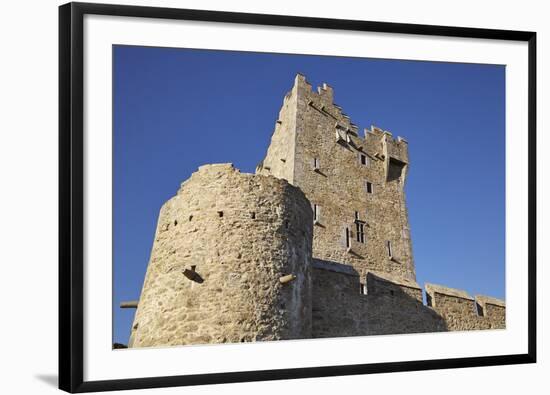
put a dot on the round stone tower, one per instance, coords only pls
(230, 263)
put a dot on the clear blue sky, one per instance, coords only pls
(176, 109)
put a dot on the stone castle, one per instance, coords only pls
(316, 244)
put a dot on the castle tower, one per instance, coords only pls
(230, 263)
(354, 183)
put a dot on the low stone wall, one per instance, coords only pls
(395, 306)
(382, 304)
(338, 308)
(462, 312)
(343, 306)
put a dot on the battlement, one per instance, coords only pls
(377, 283)
(322, 100)
(361, 217)
(481, 312)
(376, 144)
(393, 151)
(436, 292)
(378, 298)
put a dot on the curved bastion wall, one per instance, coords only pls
(231, 262)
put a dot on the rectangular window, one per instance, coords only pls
(357, 215)
(316, 164)
(364, 160)
(360, 230)
(340, 135)
(390, 252)
(348, 241)
(316, 212)
(370, 188)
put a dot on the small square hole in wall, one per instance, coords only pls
(253, 215)
(220, 214)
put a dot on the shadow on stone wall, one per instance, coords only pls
(346, 305)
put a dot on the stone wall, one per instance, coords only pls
(279, 159)
(345, 305)
(462, 312)
(222, 245)
(338, 308)
(320, 133)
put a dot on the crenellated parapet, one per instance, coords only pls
(381, 303)
(344, 303)
(380, 283)
(464, 312)
(360, 216)
(493, 309)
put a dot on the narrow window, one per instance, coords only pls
(364, 160)
(316, 164)
(370, 188)
(362, 289)
(357, 215)
(360, 230)
(316, 212)
(348, 241)
(340, 135)
(388, 245)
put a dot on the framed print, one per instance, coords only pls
(249, 197)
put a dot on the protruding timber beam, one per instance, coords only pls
(286, 279)
(129, 304)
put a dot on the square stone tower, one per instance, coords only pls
(355, 183)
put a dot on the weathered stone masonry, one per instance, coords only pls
(320, 133)
(316, 244)
(223, 247)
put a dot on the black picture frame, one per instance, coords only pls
(71, 195)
